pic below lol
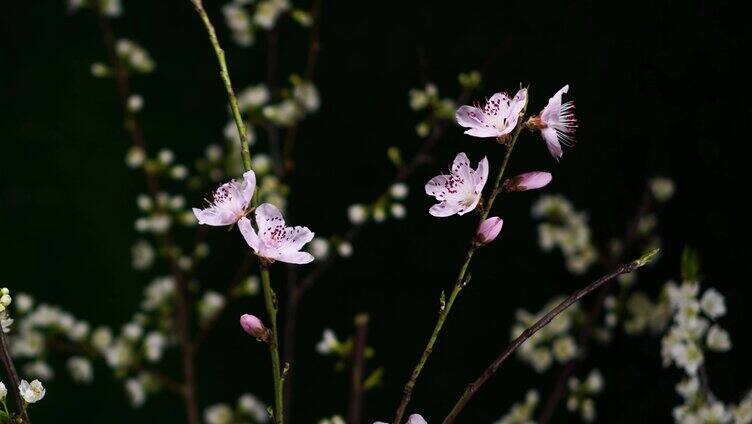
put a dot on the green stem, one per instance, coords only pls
(245, 149)
(458, 285)
(271, 307)
(269, 297)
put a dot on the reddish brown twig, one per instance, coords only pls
(355, 404)
(473, 387)
(183, 309)
(10, 369)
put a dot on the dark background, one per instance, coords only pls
(658, 92)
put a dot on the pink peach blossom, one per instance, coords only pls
(497, 118)
(275, 241)
(460, 191)
(557, 123)
(230, 203)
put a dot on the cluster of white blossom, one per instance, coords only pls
(248, 409)
(438, 109)
(5, 300)
(566, 229)
(134, 56)
(522, 413)
(159, 213)
(552, 342)
(387, 205)
(581, 395)
(694, 328)
(321, 247)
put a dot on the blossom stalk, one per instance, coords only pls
(460, 282)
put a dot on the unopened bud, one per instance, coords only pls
(253, 326)
(488, 230)
(527, 181)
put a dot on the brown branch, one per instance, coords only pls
(355, 405)
(583, 338)
(133, 127)
(10, 369)
(473, 387)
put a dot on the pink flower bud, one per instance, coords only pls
(527, 181)
(488, 230)
(253, 326)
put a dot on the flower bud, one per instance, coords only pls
(527, 181)
(488, 230)
(253, 326)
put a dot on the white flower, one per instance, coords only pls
(718, 339)
(101, 338)
(218, 414)
(662, 188)
(398, 210)
(230, 202)
(80, 369)
(687, 356)
(33, 392)
(39, 369)
(275, 241)
(261, 163)
(154, 345)
(136, 392)
(328, 343)
(135, 103)
(461, 190)
(3, 392)
(142, 254)
(252, 406)
(253, 97)
(345, 249)
(594, 381)
(357, 214)
(307, 95)
(713, 304)
(564, 349)
(399, 191)
(210, 305)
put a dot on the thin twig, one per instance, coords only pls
(133, 127)
(583, 338)
(271, 307)
(473, 387)
(458, 285)
(10, 369)
(355, 405)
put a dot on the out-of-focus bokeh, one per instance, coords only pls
(658, 93)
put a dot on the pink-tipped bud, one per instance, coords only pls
(488, 230)
(253, 326)
(527, 181)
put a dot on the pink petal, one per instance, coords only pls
(527, 181)
(461, 163)
(550, 113)
(416, 419)
(481, 174)
(473, 118)
(250, 236)
(518, 103)
(249, 186)
(253, 326)
(295, 258)
(436, 187)
(444, 209)
(488, 230)
(267, 218)
(552, 141)
(214, 216)
(297, 238)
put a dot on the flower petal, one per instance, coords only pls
(480, 176)
(295, 257)
(268, 217)
(249, 186)
(214, 216)
(416, 419)
(298, 236)
(474, 118)
(444, 209)
(552, 141)
(250, 236)
(550, 113)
